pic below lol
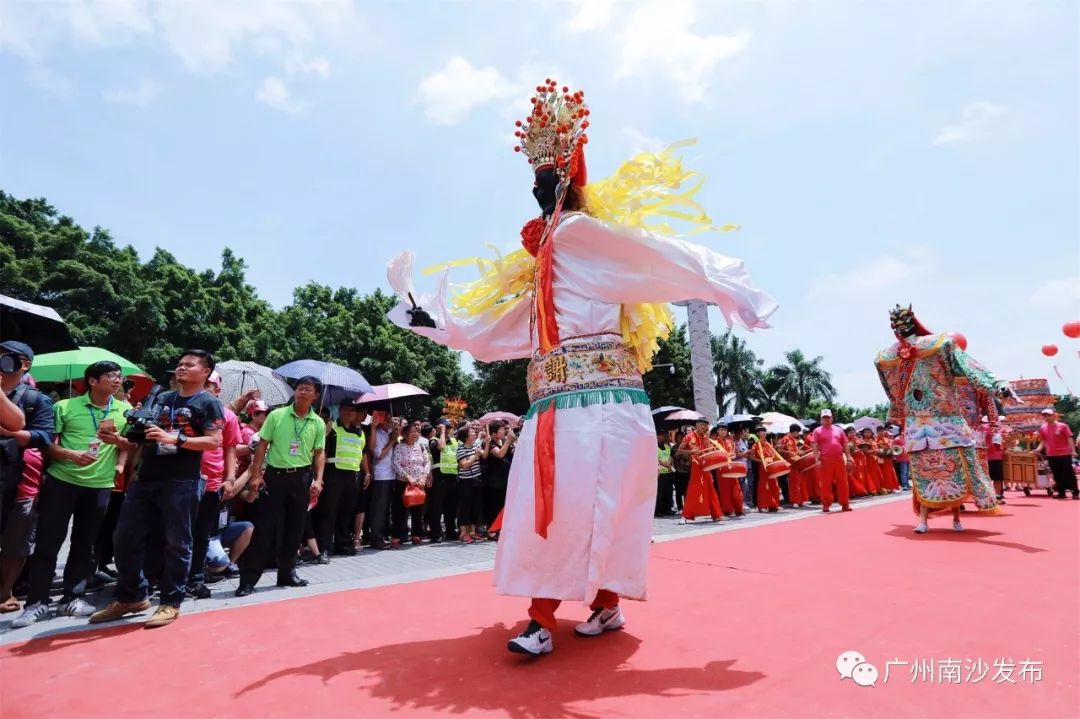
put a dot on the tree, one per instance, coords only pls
(771, 388)
(736, 368)
(499, 386)
(803, 381)
(664, 386)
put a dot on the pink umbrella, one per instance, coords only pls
(499, 417)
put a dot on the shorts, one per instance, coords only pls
(997, 470)
(20, 520)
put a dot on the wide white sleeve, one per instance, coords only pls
(622, 265)
(490, 336)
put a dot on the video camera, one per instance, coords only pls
(139, 420)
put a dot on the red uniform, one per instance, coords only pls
(810, 482)
(857, 472)
(788, 446)
(728, 487)
(889, 480)
(768, 489)
(701, 496)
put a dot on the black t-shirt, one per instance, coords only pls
(194, 416)
(497, 469)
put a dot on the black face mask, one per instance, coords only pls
(545, 190)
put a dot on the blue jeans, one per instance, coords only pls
(903, 471)
(155, 506)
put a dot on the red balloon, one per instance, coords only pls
(1049, 350)
(958, 339)
(1071, 329)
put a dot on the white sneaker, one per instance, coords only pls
(922, 528)
(957, 527)
(78, 607)
(30, 614)
(600, 621)
(534, 641)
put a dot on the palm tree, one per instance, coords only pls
(804, 381)
(736, 368)
(771, 386)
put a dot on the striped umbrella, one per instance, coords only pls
(239, 377)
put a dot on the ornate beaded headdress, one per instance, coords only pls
(553, 135)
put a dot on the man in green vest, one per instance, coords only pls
(442, 498)
(332, 517)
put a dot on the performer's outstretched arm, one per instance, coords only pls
(500, 333)
(964, 364)
(622, 265)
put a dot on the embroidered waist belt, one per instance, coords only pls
(583, 366)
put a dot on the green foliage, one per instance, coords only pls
(149, 312)
(665, 387)
(1068, 406)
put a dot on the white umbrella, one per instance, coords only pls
(779, 423)
(239, 377)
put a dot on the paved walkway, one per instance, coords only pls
(372, 568)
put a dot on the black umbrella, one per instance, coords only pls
(38, 326)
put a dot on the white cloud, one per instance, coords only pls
(870, 278)
(108, 22)
(640, 142)
(592, 15)
(1057, 294)
(141, 95)
(451, 93)
(977, 120)
(299, 64)
(275, 93)
(658, 38)
(50, 82)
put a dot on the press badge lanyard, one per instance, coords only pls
(298, 431)
(95, 444)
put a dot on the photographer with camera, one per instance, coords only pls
(173, 432)
(77, 485)
(22, 449)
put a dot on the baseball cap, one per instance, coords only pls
(19, 348)
(214, 379)
(255, 405)
(826, 413)
(1047, 412)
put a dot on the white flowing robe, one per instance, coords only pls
(605, 455)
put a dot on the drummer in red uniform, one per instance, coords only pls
(764, 455)
(727, 477)
(701, 496)
(788, 447)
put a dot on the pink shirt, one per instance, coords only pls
(994, 450)
(1057, 439)
(213, 463)
(831, 441)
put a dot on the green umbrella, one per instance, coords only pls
(69, 366)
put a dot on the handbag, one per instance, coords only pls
(414, 495)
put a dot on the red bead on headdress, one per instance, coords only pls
(553, 135)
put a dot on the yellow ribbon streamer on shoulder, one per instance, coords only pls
(646, 192)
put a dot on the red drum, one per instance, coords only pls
(713, 459)
(778, 468)
(805, 462)
(733, 470)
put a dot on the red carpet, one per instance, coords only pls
(744, 623)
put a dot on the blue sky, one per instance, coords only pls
(873, 153)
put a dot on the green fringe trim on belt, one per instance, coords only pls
(588, 398)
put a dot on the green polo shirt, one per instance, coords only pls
(77, 421)
(283, 427)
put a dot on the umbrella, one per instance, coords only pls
(387, 392)
(69, 366)
(730, 419)
(239, 377)
(686, 415)
(490, 417)
(868, 423)
(339, 383)
(40, 327)
(664, 411)
(779, 423)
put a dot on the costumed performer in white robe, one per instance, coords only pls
(584, 302)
